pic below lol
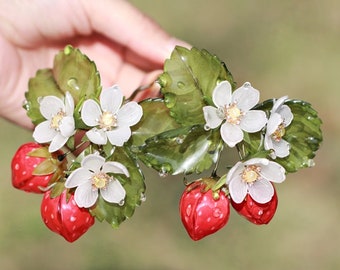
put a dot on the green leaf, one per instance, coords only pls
(43, 84)
(134, 187)
(76, 73)
(73, 72)
(156, 119)
(251, 145)
(303, 134)
(79, 123)
(187, 83)
(183, 150)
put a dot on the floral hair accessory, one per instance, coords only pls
(90, 142)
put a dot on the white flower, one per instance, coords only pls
(280, 117)
(234, 108)
(110, 120)
(93, 177)
(254, 177)
(59, 126)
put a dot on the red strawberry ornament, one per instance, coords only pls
(202, 212)
(65, 217)
(255, 212)
(24, 166)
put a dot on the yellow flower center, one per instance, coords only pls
(232, 114)
(100, 180)
(107, 121)
(279, 132)
(251, 173)
(56, 120)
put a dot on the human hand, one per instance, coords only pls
(128, 48)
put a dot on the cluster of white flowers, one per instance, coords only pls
(233, 112)
(111, 120)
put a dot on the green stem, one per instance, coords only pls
(240, 151)
(214, 172)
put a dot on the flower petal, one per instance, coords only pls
(268, 143)
(50, 106)
(231, 134)
(211, 117)
(85, 195)
(278, 103)
(286, 114)
(246, 97)
(97, 136)
(238, 189)
(261, 191)
(253, 121)
(93, 162)
(129, 114)
(234, 171)
(115, 167)
(57, 142)
(119, 135)
(273, 172)
(69, 104)
(43, 133)
(281, 148)
(78, 177)
(257, 161)
(91, 113)
(111, 99)
(114, 192)
(221, 95)
(274, 121)
(67, 126)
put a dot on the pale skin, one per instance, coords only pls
(128, 48)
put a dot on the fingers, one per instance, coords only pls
(150, 88)
(123, 23)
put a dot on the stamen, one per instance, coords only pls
(100, 180)
(107, 121)
(279, 132)
(232, 114)
(251, 173)
(56, 120)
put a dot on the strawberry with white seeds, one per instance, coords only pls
(203, 212)
(33, 167)
(62, 216)
(257, 213)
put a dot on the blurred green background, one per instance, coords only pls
(283, 48)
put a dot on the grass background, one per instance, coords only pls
(281, 47)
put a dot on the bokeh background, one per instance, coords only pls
(283, 48)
